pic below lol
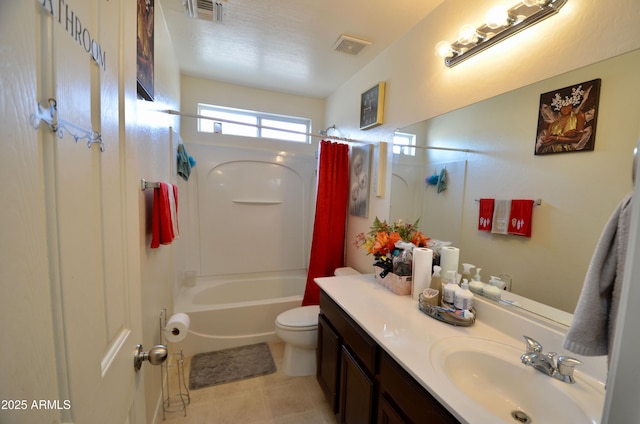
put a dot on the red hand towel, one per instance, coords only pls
(161, 222)
(520, 217)
(485, 214)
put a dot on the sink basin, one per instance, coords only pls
(502, 389)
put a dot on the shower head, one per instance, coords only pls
(325, 132)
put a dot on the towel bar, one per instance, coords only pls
(144, 184)
(536, 202)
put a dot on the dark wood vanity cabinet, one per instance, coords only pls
(347, 358)
(362, 382)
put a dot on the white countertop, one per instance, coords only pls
(407, 334)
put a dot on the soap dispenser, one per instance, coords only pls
(436, 282)
(497, 282)
(466, 271)
(476, 285)
(491, 291)
(448, 296)
(464, 297)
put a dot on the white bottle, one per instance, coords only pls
(497, 282)
(464, 297)
(466, 271)
(491, 292)
(448, 296)
(476, 285)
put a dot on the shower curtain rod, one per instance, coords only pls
(325, 136)
(187, 115)
(452, 149)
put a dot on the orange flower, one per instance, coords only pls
(419, 239)
(381, 240)
(393, 238)
(380, 245)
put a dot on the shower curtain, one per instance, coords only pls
(327, 245)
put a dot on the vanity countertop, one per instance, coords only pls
(407, 334)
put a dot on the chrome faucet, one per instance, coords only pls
(546, 362)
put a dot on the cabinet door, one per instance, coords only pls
(407, 398)
(356, 392)
(328, 362)
(387, 414)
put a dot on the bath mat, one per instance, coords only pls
(225, 366)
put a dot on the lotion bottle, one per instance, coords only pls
(464, 297)
(497, 282)
(448, 296)
(466, 271)
(476, 285)
(436, 282)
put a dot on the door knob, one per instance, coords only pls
(157, 355)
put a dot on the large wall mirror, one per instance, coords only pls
(493, 157)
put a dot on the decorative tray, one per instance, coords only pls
(444, 314)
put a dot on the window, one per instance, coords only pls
(405, 140)
(260, 124)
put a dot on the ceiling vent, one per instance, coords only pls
(350, 45)
(207, 10)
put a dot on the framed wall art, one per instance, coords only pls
(144, 74)
(567, 119)
(372, 106)
(359, 180)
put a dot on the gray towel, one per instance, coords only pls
(184, 166)
(594, 320)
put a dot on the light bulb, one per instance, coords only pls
(467, 34)
(443, 49)
(530, 3)
(497, 17)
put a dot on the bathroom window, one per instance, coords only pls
(258, 124)
(404, 139)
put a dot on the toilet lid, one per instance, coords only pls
(304, 316)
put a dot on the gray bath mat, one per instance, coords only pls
(225, 366)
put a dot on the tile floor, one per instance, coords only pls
(273, 399)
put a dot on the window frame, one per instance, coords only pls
(260, 128)
(401, 149)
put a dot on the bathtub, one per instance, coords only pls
(236, 310)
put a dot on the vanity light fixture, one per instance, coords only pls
(500, 24)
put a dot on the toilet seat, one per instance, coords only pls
(304, 318)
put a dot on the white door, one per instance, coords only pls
(90, 212)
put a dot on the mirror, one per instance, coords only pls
(491, 155)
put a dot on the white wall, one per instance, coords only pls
(156, 162)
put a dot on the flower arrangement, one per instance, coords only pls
(382, 238)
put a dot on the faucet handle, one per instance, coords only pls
(566, 366)
(532, 345)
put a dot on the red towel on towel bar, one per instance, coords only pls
(485, 214)
(520, 217)
(164, 219)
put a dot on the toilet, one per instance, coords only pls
(298, 329)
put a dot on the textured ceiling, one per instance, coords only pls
(287, 45)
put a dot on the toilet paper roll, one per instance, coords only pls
(449, 257)
(421, 278)
(177, 327)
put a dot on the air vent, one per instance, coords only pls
(207, 10)
(350, 45)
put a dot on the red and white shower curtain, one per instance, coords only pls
(327, 245)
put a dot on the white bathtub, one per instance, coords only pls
(237, 310)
